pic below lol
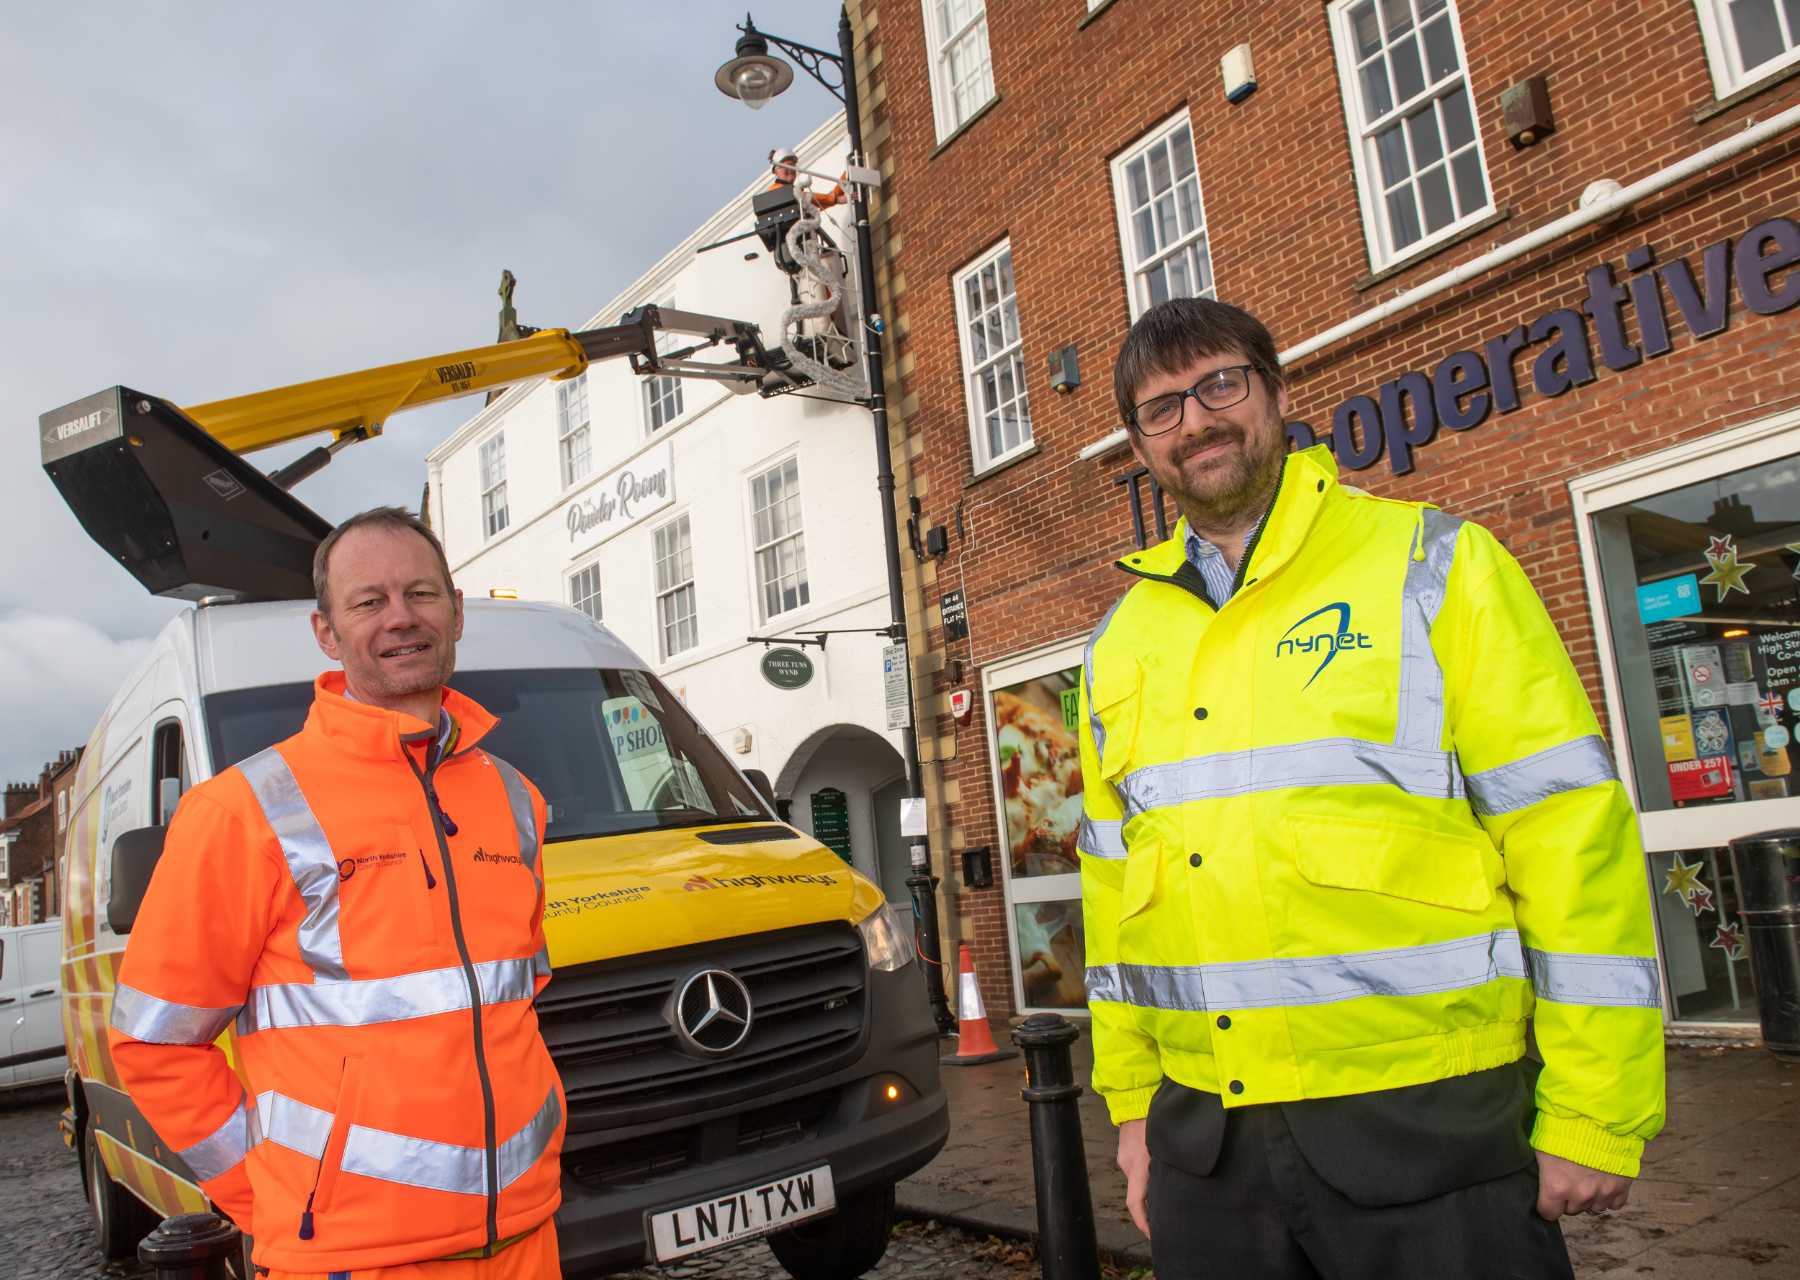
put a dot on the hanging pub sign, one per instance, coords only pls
(956, 615)
(787, 668)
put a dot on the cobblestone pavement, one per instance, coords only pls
(46, 1232)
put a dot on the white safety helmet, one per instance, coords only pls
(784, 156)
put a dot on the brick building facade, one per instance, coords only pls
(1621, 417)
(31, 837)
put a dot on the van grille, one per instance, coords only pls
(618, 1057)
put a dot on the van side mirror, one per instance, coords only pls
(134, 858)
(764, 787)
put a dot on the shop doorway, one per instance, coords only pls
(1034, 754)
(1692, 562)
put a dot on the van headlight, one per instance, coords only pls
(888, 946)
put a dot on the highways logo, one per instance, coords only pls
(482, 855)
(1323, 639)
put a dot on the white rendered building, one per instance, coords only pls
(687, 519)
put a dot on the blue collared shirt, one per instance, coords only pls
(1214, 569)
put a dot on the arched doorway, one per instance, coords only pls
(849, 778)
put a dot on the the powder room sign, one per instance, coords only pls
(620, 498)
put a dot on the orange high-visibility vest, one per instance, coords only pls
(371, 925)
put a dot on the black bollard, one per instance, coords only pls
(191, 1246)
(1067, 1249)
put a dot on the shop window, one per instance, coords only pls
(987, 312)
(962, 73)
(1162, 224)
(1418, 158)
(1699, 583)
(1748, 40)
(493, 485)
(677, 622)
(572, 434)
(1033, 718)
(584, 590)
(780, 541)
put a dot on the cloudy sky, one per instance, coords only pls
(206, 199)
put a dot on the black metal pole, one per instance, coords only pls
(930, 947)
(1067, 1248)
(191, 1246)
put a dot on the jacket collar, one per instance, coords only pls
(1308, 481)
(378, 734)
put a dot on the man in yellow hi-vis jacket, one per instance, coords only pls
(1350, 824)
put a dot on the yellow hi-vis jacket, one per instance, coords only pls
(1350, 831)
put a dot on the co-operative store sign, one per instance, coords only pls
(1466, 387)
(622, 497)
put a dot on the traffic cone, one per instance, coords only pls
(974, 1040)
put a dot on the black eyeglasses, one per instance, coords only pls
(1219, 389)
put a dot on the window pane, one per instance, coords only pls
(995, 446)
(1403, 217)
(1179, 283)
(1181, 147)
(1156, 279)
(996, 336)
(1390, 150)
(1143, 232)
(1187, 197)
(1008, 389)
(1377, 99)
(1409, 76)
(990, 395)
(1005, 266)
(1758, 35)
(1135, 183)
(1440, 49)
(1009, 314)
(1459, 129)
(1792, 9)
(1202, 272)
(1364, 31)
(978, 350)
(1471, 191)
(1396, 16)
(990, 286)
(1434, 191)
(1166, 229)
(972, 294)
(1422, 126)
(1429, 7)
(1159, 169)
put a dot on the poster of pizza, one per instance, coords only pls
(1040, 773)
(1051, 954)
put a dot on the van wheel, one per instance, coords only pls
(120, 1218)
(845, 1244)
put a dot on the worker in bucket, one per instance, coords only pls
(1350, 828)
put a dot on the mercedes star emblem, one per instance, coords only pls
(711, 1013)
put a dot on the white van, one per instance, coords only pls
(662, 863)
(31, 1030)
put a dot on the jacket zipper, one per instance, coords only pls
(1237, 581)
(430, 880)
(440, 825)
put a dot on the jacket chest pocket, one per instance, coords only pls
(386, 892)
(1439, 867)
(1113, 718)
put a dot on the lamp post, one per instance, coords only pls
(753, 77)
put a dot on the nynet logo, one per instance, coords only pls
(1322, 639)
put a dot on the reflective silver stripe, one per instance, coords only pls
(1420, 713)
(367, 1001)
(519, 797)
(293, 1124)
(445, 1166)
(1101, 839)
(224, 1149)
(1263, 984)
(1087, 674)
(540, 963)
(309, 858)
(1325, 762)
(144, 1017)
(1569, 978)
(1521, 784)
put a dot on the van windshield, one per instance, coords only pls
(611, 750)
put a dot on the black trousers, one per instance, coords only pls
(1264, 1213)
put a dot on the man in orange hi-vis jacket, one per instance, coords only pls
(395, 1112)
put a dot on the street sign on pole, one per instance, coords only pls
(893, 683)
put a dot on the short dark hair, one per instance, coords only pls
(398, 519)
(1172, 335)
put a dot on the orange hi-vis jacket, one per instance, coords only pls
(367, 909)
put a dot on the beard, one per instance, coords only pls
(1233, 486)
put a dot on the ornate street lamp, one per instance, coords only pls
(753, 77)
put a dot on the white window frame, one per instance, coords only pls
(495, 515)
(1723, 57)
(1137, 272)
(661, 389)
(1376, 232)
(972, 373)
(669, 591)
(939, 44)
(574, 439)
(574, 594)
(759, 547)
